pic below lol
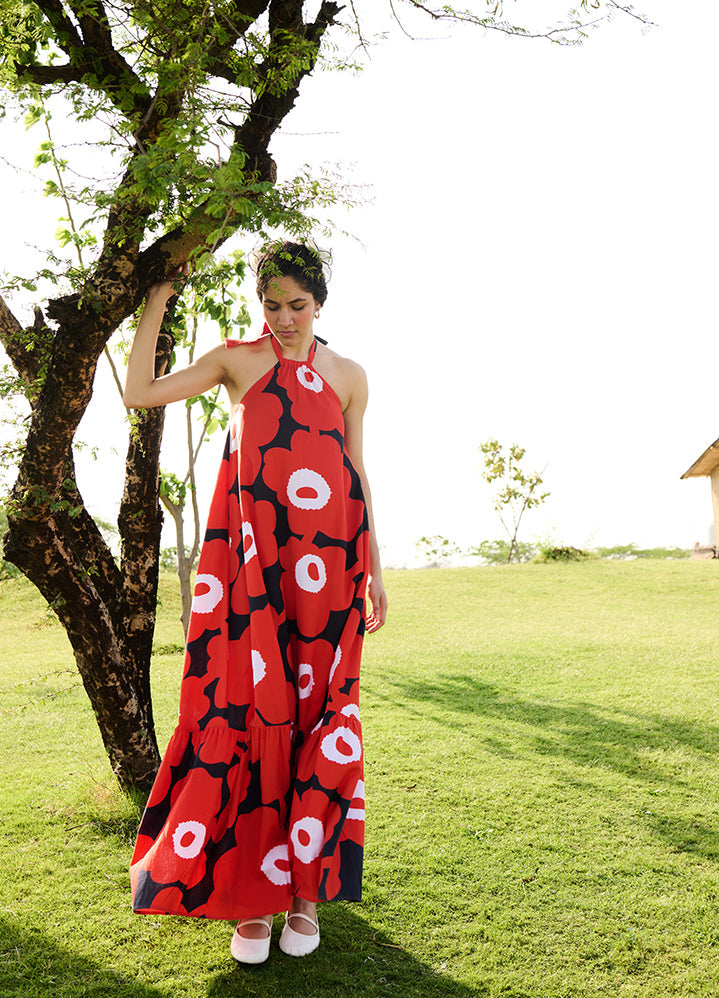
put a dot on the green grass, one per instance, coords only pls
(542, 748)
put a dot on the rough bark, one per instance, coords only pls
(44, 553)
(140, 525)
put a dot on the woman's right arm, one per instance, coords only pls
(142, 389)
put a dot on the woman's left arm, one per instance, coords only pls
(353, 416)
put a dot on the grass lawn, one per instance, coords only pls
(542, 746)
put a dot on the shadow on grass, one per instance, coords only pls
(646, 747)
(353, 960)
(631, 743)
(33, 966)
(686, 834)
(122, 829)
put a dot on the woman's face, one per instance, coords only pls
(289, 310)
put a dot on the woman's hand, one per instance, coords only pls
(164, 290)
(378, 605)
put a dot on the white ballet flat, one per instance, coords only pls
(251, 950)
(296, 943)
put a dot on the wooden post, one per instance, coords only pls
(715, 502)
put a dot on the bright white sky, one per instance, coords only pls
(538, 265)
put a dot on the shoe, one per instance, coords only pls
(296, 943)
(247, 950)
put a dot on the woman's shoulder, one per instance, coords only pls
(245, 362)
(256, 345)
(346, 376)
(345, 365)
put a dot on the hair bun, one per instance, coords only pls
(267, 248)
(304, 261)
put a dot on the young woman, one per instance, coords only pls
(258, 807)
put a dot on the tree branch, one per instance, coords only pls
(505, 27)
(92, 54)
(270, 108)
(252, 137)
(632, 13)
(24, 346)
(285, 15)
(66, 34)
(94, 24)
(91, 550)
(45, 76)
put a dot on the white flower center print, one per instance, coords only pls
(310, 573)
(308, 837)
(307, 489)
(305, 680)
(309, 378)
(271, 865)
(342, 745)
(208, 593)
(188, 839)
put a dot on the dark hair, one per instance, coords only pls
(295, 260)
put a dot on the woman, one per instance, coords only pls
(259, 803)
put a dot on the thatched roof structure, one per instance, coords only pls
(706, 464)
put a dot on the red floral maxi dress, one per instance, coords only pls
(260, 795)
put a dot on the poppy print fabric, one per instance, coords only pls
(260, 795)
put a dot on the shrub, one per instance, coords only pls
(548, 553)
(437, 548)
(7, 569)
(497, 552)
(629, 551)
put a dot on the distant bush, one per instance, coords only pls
(627, 552)
(168, 560)
(497, 552)
(437, 548)
(7, 569)
(548, 553)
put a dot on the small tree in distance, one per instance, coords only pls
(214, 296)
(516, 490)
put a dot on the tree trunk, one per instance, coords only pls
(44, 552)
(184, 564)
(108, 613)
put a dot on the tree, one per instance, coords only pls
(189, 96)
(147, 67)
(516, 490)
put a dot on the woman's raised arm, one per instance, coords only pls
(142, 389)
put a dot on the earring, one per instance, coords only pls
(317, 314)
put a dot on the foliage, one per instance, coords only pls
(437, 548)
(497, 552)
(626, 552)
(158, 96)
(7, 569)
(168, 559)
(550, 553)
(516, 490)
(172, 489)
